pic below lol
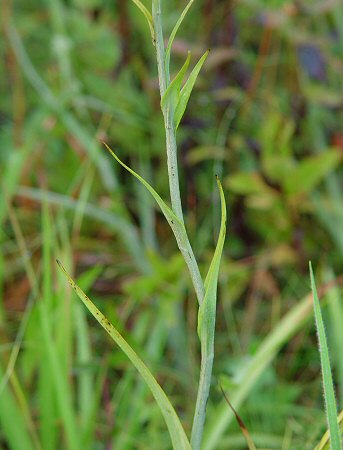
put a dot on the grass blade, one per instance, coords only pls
(173, 34)
(168, 213)
(329, 394)
(187, 90)
(147, 15)
(207, 310)
(172, 94)
(177, 433)
(206, 330)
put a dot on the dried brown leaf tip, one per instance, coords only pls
(250, 443)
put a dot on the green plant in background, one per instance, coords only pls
(174, 99)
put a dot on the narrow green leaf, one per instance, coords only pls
(177, 433)
(147, 15)
(177, 227)
(206, 330)
(173, 34)
(329, 394)
(172, 94)
(207, 310)
(173, 221)
(187, 90)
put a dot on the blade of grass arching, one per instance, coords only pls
(114, 222)
(178, 229)
(206, 330)
(156, 333)
(329, 393)
(173, 221)
(13, 426)
(336, 320)
(177, 434)
(147, 15)
(172, 37)
(84, 351)
(324, 443)
(272, 343)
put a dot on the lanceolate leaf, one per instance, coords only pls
(187, 90)
(177, 433)
(206, 330)
(176, 225)
(172, 94)
(173, 221)
(329, 394)
(147, 15)
(173, 34)
(207, 310)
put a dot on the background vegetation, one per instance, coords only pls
(266, 115)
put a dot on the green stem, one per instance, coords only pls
(207, 344)
(171, 146)
(168, 114)
(207, 355)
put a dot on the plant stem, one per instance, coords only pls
(207, 355)
(207, 342)
(171, 147)
(168, 114)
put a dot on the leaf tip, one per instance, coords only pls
(60, 265)
(311, 271)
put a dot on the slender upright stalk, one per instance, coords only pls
(171, 148)
(207, 339)
(173, 175)
(207, 355)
